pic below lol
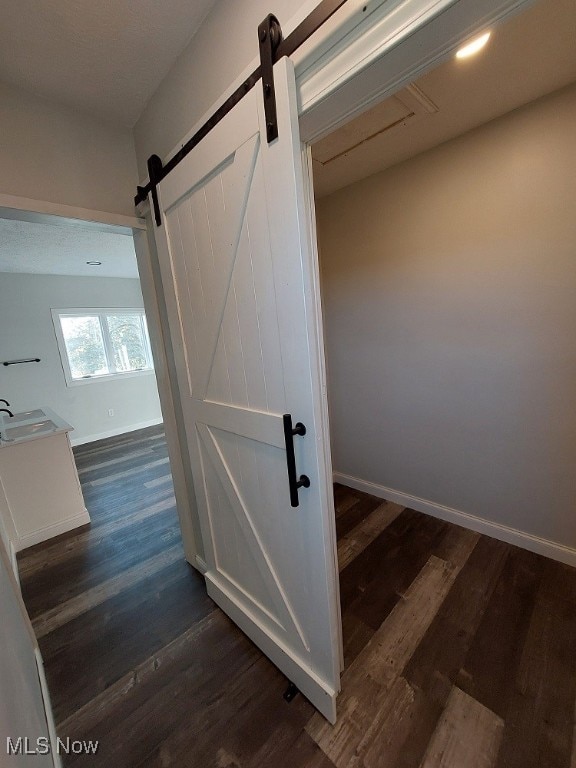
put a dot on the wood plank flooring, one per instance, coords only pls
(459, 649)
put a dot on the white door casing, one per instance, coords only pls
(233, 254)
(25, 711)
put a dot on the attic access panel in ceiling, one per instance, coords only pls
(409, 105)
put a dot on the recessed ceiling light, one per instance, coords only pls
(473, 46)
(94, 263)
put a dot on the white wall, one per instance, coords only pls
(26, 330)
(54, 153)
(223, 47)
(449, 286)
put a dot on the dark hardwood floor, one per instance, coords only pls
(459, 649)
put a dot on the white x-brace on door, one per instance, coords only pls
(233, 250)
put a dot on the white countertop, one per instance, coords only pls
(31, 425)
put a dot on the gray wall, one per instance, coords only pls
(449, 286)
(57, 154)
(26, 330)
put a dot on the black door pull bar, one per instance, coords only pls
(303, 481)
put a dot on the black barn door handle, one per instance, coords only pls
(303, 481)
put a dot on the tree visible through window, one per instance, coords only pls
(103, 342)
(127, 334)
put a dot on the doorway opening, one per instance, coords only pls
(446, 238)
(88, 512)
(77, 370)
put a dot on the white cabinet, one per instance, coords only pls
(41, 491)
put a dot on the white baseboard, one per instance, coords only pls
(42, 534)
(497, 531)
(113, 432)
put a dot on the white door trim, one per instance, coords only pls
(157, 318)
(387, 50)
(43, 211)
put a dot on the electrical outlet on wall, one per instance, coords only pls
(110, 411)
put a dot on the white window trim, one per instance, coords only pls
(59, 312)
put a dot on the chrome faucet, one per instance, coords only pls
(5, 410)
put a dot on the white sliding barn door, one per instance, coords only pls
(232, 248)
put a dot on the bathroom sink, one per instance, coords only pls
(38, 413)
(29, 425)
(27, 430)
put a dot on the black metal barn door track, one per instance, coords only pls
(272, 48)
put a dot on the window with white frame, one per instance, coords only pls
(102, 343)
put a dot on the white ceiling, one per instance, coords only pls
(105, 57)
(527, 57)
(63, 249)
